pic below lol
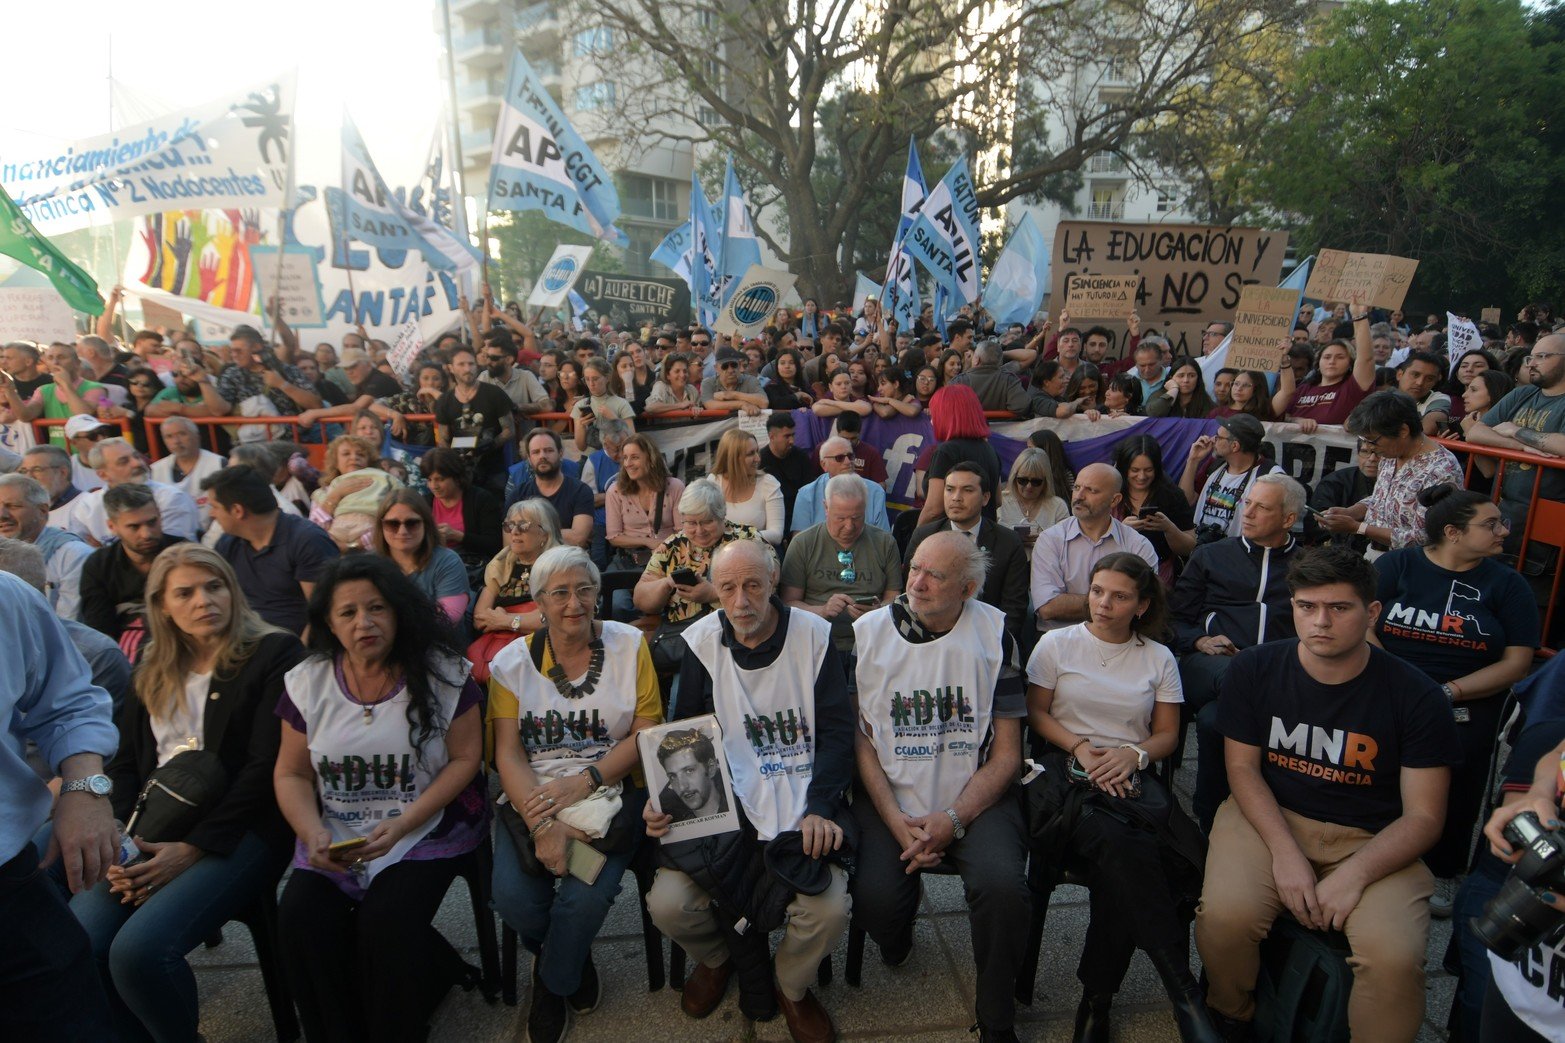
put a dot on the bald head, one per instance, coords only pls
(1097, 491)
(1546, 363)
(745, 575)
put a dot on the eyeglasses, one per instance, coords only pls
(845, 559)
(1494, 525)
(510, 527)
(837, 458)
(398, 524)
(1028, 481)
(728, 365)
(34, 472)
(585, 593)
(1540, 356)
(700, 344)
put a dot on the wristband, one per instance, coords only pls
(595, 775)
(1363, 529)
(532, 834)
(1361, 318)
(1074, 746)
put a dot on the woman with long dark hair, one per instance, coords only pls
(1183, 393)
(787, 390)
(467, 518)
(1251, 394)
(1152, 504)
(377, 774)
(405, 533)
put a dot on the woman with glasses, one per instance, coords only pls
(506, 607)
(676, 392)
(1028, 503)
(1249, 393)
(405, 532)
(567, 787)
(144, 386)
(1410, 461)
(1469, 622)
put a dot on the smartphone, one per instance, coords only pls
(1146, 512)
(1023, 531)
(1312, 510)
(868, 599)
(686, 577)
(584, 862)
(343, 847)
(1077, 773)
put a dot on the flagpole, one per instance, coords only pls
(277, 282)
(118, 262)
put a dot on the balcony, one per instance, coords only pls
(537, 20)
(479, 89)
(1106, 163)
(1096, 211)
(480, 48)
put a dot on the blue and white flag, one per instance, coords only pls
(899, 294)
(578, 305)
(541, 163)
(1019, 278)
(703, 255)
(944, 236)
(738, 248)
(863, 289)
(673, 252)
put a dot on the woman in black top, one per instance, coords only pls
(1152, 504)
(961, 433)
(787, 390)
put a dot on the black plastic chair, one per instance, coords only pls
(260, 917)
(477, 868)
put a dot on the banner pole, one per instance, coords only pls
(277, 283)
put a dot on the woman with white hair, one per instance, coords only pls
(564, 786)
(506, 607)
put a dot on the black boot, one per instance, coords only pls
(1092, 1018)
(1190, 1013)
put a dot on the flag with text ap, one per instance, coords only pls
(944, 236)
(899, 293)
(1019, 277)
(541, 163)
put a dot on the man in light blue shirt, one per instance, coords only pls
(49, 986)
(1064, 554)
(1149, 366)
(809, 507)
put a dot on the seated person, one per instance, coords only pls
(842, 568)
(791, 466)
(118, 463)
(114, 577)
(467, 517)
(732, 389)
(24, 516)
(867, 461)
(957, 806)
(352, 486)
(836, 458)
(1064, 554)
(404, 532)
(1237, 462)
(570, 497)
(757, 658)
(506, 607)
(1339, 757)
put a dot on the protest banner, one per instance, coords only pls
(1100, 296)
(408, 344)
(35, 313)
(1190, 274)
(1462, 336)
(632, 299)
(754, 300)
(1490, 316)
(233, 152)
(944, 236)
(1262, 324)
(1381, 280)
(299, 288)
(559, 276)
(158, 316)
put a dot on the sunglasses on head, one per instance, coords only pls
(398, 524)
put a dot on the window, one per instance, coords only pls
(595, 95)
(649, 197)
(707, 116)
(643, 240)
(1165, 201)
(1106, 205)
(590, 43)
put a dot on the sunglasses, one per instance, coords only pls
(398, 524)
(700, 343)
(845, 559)
(511, 527)
(1028, 481)
(838, 457)
(728, 365)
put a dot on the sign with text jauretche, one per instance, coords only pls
(1381, 280)
(1262, 325)
(1100, 296)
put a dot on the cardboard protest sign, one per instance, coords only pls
(1380, 280)
(1262, 324)
(1100, 296)
(35, 313)
(559, 276)
(1490, 316)
(300, 286)
(1189, 274)
(156, 316)
(754, 301)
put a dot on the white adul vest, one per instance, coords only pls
(927, 707)
(562, 736)
(366, 773)
(768, 718)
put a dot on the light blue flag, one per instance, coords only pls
(541, 163)
(1019, 278)
(703, 254)
(899, 295)
(673, 252)
(944, 236)
(738, 248)
(1298, 279)
(578, 304)
(942, 303)
(863, 289)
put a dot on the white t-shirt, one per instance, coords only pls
(763, 510)
(207, 464)
(1220, 502)
(185, 728)
(1108, 704)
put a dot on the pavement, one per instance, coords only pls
(927, 999)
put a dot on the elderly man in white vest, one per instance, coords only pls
(941, 712)
(776, 683)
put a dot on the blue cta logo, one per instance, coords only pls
(754, 304)
(558, 275)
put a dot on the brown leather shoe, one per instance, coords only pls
(704, 989)
(808, 1021)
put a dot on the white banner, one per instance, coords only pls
(233, 152)
(35, 313)
(1462, 336)
(751, 306)
(558, 276)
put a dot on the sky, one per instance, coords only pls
(382, 60)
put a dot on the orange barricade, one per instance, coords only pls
(1545, 518)
(41, 432)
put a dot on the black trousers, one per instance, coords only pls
(1201, 675)
(992, 860)
(1131, 903)
(49, 985)
(366, 969)
(1451, 853)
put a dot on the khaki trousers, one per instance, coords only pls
(815, 923)
(1388, 931)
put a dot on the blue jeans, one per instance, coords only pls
(557, 919)
(140, 950)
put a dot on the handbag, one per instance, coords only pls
(178, 795)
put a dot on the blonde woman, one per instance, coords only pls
(1029, 500)
(754, 498)
(209, 682)
(352, 485)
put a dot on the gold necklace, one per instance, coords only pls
(368, 705)
(1104, 661)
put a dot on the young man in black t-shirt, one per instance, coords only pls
(791, 466)
(475, 419)
(1339, 758)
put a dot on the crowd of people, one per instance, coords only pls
(350, 668)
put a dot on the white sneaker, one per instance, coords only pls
(1441, 902)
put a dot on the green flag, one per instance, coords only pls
(19, 239)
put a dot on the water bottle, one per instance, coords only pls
(129, 853)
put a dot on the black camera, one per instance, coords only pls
(1518, 917)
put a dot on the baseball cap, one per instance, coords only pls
(82, 424)
(729, 355)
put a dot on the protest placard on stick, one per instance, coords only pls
(1262, 325)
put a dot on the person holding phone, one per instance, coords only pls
(569, 788)
(382, 739)
(1152, 504)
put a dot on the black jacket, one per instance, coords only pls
(1234, 588)
(1006, 584)
(242, 728)
(481, 517)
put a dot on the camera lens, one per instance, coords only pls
(1516, 920)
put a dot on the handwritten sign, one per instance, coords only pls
(410, 341)
(1461, 337)
(35, 313)
(1490, 316)
(159, 316)
(1188, 275)
(1262, 325)
(1101, 296)
(1381, 280)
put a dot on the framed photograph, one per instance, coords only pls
(687, 777)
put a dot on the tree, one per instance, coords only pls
(816, 99)
(527, 240)
(1429, 130)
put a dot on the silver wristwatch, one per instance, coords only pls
(958, 831)
(1142, 760)
(97, 785)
